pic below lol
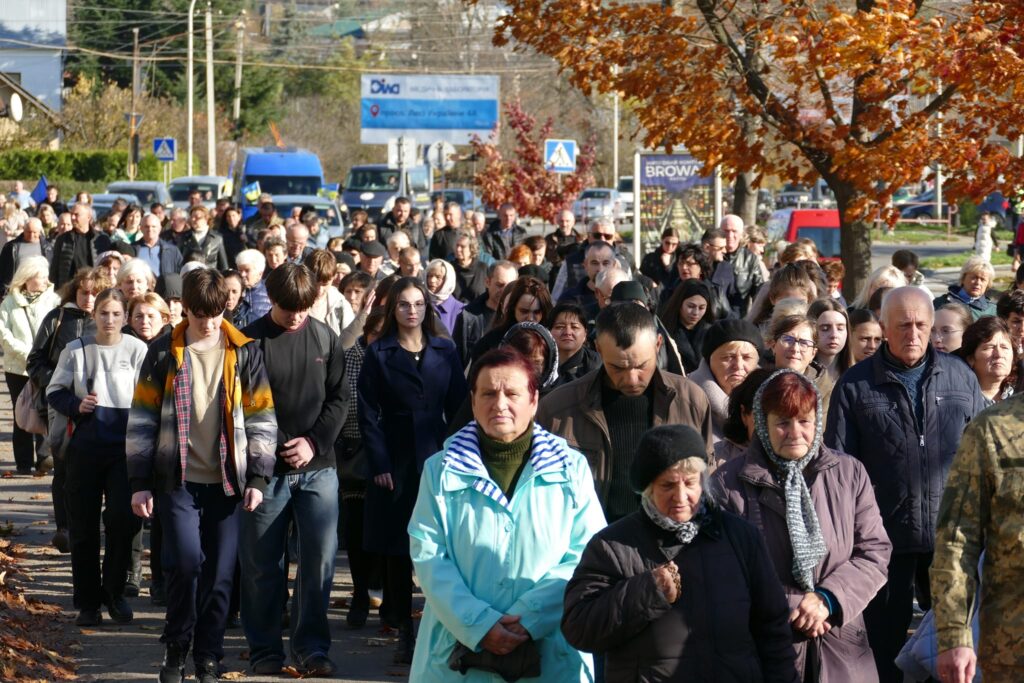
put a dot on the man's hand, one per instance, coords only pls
(142, 504)
(384, 481)
(511, 622)
(87, 405)
(957, 665)
(297, 452)
(810, 616)
(500, 640)
(252, 499)
(667, 578)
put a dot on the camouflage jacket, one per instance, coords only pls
(983, 509)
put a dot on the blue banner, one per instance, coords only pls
(39, 192)
(430, 114)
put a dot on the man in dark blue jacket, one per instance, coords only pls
(902, 412)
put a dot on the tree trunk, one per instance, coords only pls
(744, 198)
(854, 240)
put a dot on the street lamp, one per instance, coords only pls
(190, 84)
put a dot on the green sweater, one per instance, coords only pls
(505, 461)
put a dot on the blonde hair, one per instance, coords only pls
(150, 299)
(886, 276)
(977, 264)
(136, 267)
(29, 268)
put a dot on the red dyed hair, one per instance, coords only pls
(789, 395)
(504, 357)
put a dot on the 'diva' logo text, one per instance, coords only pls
(379, 86)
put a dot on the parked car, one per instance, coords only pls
(102, 203)
(146, 192)
(330, 216)
(820, 225)
(922, 207)
(212, 188)
(598, 202)
(799, 196)
(625, 189)
(374, 189)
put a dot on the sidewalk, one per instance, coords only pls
(133, 653)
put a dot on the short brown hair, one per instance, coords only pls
(199, 208)
(293, 287)
(835, 271)
(323, 264)
(204, 293)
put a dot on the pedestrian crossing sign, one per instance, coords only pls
(165, 149)
(560, 156)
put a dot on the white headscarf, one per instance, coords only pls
(447, 287)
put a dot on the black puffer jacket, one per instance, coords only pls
(212, 248)
(871, 418)
(730, 625)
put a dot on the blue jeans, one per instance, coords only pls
(310, 501)
(200, 547)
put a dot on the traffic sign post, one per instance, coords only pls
(560, 156)
(166, 150)
(440, 156)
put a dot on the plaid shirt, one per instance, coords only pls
(183, 410)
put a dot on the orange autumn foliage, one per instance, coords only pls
(848, 90)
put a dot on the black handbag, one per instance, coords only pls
(523, 662)
(353, 467)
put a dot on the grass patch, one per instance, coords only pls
(912, 236)
(999, 258)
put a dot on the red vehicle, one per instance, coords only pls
(820, 225)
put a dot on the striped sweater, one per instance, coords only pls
(155, 443)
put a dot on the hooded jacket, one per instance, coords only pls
(19, 321)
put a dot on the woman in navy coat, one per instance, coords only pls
(410, 385)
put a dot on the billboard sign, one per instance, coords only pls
(430, 109)
(670, 192)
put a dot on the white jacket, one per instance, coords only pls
(19, 321)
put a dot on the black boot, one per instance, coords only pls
(134, 582)
(207, 671)
(406, 644)
(173, 669)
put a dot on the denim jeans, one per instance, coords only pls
(310, 501)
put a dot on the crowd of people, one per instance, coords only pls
(710, 467)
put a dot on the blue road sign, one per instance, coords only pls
(560, 156)
(165, 149)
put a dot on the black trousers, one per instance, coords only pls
(97, 485)
(888, 616)
(364, 566)
(26, 446)
(396, 609)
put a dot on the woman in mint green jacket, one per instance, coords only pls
(503, 514)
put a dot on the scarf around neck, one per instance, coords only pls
(801, 519)
(684, 531)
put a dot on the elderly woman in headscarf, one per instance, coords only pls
(440, 277)
(816, 510)
(679, 590)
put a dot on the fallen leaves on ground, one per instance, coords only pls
(31, 647)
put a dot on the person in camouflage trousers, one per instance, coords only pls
(983, 510)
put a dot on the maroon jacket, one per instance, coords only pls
(855, 564)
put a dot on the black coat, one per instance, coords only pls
(66, 262)
(212, 248)
(577, 365)
(690, 345)
(10, 258)
(652, 267)
(730, 625)
(51, 338)
(492, 243)
(403, 414)
(470, 282)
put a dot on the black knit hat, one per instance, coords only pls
(630, 290)
(660, 448)
(731, 330)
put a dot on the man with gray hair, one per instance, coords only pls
(572, 270)
(902, 412)
(740, 274)
(31, 242)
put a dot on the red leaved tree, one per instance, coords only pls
(522, 179)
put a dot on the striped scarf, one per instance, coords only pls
(684, 531)
(801, 519)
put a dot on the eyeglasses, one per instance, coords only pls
(790, 341)
(405, 306)
(946, 332)
(606, 236)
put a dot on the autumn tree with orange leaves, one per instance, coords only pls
(522, 179)
(853, 91)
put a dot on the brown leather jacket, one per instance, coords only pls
(573, 411)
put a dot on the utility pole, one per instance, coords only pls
(211, 121)
(615, 134)
(239, 42)
(190, 81)
(133, 131)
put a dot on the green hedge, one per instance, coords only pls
(102, 166)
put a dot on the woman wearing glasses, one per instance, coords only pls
(410, 385)
(792, 342)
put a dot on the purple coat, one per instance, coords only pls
(448, 310)
(855, 564)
